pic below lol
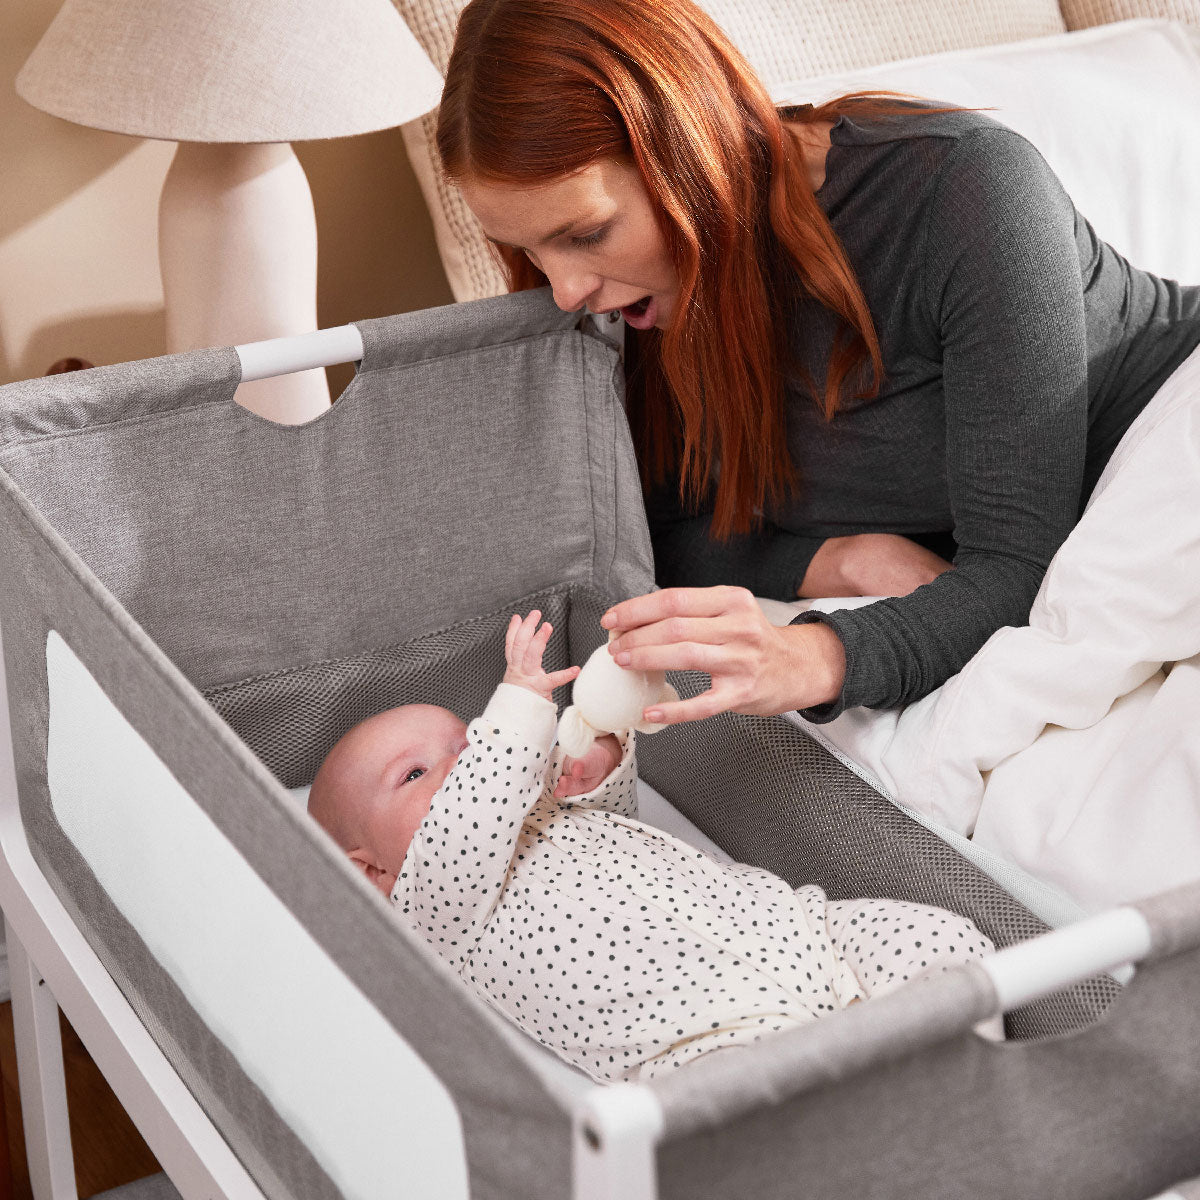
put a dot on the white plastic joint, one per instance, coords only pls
(1065, 956)
(616, 1131)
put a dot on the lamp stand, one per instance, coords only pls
(237, 239)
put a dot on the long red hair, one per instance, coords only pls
(538, 89)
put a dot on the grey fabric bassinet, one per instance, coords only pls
(196, 603)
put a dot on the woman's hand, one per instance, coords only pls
(870, 564)
(581, 775)
(755, 666)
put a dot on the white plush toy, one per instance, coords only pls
(609, 698)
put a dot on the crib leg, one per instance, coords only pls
(43, 1082)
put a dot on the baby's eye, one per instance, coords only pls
(590, 239)
(415, 773)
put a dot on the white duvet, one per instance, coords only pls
(1071, 747)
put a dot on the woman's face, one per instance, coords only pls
(592, 234)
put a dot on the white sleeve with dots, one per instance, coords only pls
(458, 862)
(617, 792)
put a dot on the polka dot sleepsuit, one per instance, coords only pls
(617, 945)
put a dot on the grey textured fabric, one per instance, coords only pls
(1174, 918)
(195, 514)
(246, 549)
(152, 1187)
(1106, 1114)
(157, 486)
(771, 796)
(45, 587)
(725, 1087)
(501, 1099)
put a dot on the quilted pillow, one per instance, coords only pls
(1079, 14)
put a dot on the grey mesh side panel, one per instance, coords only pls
(1108, 1113)
(517, 1136)
(292, 719)
(455, 473)
(770, 795)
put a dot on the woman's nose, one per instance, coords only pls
(571, 287)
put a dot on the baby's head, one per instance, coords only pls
(374, 787)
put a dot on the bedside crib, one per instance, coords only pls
(196, 603)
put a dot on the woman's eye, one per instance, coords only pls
(590, 239)
(415, 773)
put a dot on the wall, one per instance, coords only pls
(78, 229)
(78, 234)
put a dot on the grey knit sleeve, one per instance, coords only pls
(1003, 286)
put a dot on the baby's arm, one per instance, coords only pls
(457, 864)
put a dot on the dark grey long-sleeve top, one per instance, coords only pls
(1017, 348)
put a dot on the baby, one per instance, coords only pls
(617, 945)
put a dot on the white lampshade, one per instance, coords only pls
(231, 70)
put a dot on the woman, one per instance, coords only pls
(868, 339)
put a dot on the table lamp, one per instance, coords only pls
(233, 82)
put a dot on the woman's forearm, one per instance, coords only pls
(870, 564)
(815, 667)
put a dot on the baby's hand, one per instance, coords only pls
(580, 775)
(524, 645)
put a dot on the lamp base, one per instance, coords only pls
(237, 239)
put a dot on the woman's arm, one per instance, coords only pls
(870, 564)
(1003, 285)
(778, 564)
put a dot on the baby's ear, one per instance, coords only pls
(376, 876)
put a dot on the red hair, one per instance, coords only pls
(538, 89)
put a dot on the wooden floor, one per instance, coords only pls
(108, 1150)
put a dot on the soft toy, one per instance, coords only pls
(609, 698)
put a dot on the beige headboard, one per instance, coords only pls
(784, 40)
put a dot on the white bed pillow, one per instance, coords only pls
(1112, 109)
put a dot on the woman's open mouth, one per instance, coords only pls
(641, 314)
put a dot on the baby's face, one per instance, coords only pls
(375, 787)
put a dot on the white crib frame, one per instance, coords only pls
(52, 966)
(616, 1128)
